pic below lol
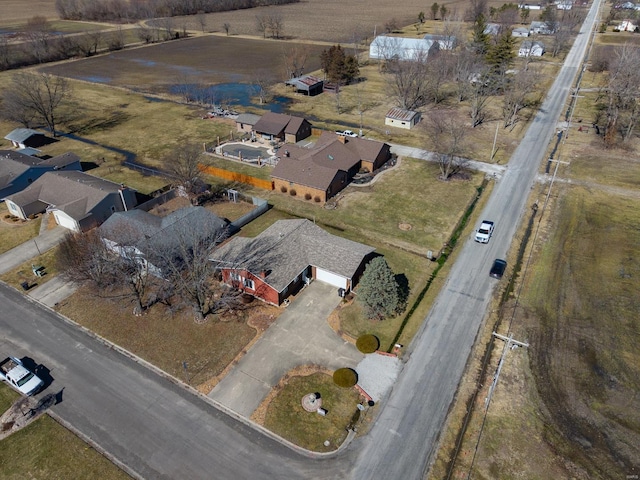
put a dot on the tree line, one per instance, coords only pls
(134, 10)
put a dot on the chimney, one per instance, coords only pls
(263, 274)
(124, 203)
(342, 139)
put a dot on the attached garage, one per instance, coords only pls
(331, 278)
(65, 221)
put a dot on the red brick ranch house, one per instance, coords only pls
(286, 256)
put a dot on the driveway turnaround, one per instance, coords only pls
(300, 336)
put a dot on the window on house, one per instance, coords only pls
(249, 284)
(235, 276)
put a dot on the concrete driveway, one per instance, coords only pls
(300, 336)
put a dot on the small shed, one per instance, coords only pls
(26, 137)
(520, 32)
(307, 84)
(531, 49)
(401, 118)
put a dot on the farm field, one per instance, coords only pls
(198, 60)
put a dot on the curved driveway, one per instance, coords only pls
(160, 431)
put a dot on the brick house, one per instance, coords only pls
(322, 171)
(286, 256)
(280, 127)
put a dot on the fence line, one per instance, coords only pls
(237, 177)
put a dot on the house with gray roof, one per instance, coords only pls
(281, 127)
(320, 172)
(286, 256)
(78, 201)
(18, 170)
(143, 235)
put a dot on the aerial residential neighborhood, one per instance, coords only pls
(319, 240)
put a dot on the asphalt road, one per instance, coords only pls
(404, 438)
(160, 431)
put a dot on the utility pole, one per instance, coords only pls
(555, 171)
(511, 343)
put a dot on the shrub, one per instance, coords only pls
(316, 199)
(293, 192)
(307, 196)
(368, 343)
(7, 216)
(283, 189)
(345, 377)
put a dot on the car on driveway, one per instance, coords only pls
(483, 234)
(498, 268)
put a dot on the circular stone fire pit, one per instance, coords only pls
(405, 226)
(311, 402)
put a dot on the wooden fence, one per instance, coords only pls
(237, 177)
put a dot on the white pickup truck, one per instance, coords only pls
(483, 234)
(19, 377)
(346, 133)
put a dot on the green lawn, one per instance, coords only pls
(45, 449)
(13, 232)
(286, 417)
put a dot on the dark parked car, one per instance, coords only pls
(498, 268)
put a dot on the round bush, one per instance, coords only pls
(345, 377)
(283, 189)
(307, 196)
(292, 192)
(316, 199)
(368, 343)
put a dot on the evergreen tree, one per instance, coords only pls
(378, 290)
(481, 39)
(502, 55)
(338, 66)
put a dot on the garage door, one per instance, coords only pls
(64, 221)
(331, 278)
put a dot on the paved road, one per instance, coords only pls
(161, 431)
(403, 440)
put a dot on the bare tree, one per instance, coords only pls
(262, 81)
(183, 162)
(262, 25)
(467, 69)
(201, 17)
(226, 26)
(84, 258)
(38, 35)
(89, 43)
(38, 96)
(517, 95)
(276, 25)
(408, 80)
(187, 266)
(112, 264)
(447, 133)
(482, 88)
(295, 59)
(144, 33)
(623, 108)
